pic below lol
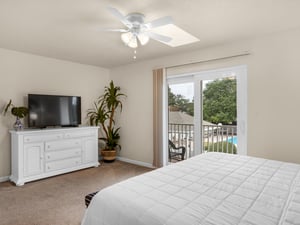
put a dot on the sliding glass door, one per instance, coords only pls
(207, 112)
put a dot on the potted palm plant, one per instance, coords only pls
(103, 114)
(18, 111)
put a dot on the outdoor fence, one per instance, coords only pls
(215, 138)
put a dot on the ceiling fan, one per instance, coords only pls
(138, 31)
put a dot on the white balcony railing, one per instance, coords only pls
(216, 138)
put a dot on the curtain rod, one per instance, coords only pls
(209, 60)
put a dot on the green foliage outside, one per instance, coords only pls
(181, 103)
(219, 101)
(217, 147)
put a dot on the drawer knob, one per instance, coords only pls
(48, 167)
(48, 156)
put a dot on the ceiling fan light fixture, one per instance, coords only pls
(129, 39)
(126, 37)
(133, 43)
(138, 32)
(143, 38)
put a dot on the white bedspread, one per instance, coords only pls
(210, 189)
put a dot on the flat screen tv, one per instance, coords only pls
(54, 110)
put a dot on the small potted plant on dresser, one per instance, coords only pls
(18, 111)
(103, 113)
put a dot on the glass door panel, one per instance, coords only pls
(219, 113)
(181, 121)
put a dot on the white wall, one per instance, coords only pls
(273, 95)
(273, 92)
(22, 73)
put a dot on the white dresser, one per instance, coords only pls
(41, 153)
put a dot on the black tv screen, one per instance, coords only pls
(53, 110)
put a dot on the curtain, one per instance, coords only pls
(158, 117)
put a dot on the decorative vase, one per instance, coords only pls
(18, 124)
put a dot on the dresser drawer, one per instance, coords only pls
(63, 144)
(79, 134)
(62, 154)
(41, 138)
(62, 164)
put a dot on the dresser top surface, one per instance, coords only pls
(45, 130)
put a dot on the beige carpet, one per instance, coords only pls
(59, 200)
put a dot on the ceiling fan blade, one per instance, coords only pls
(159, 37)
(160, 22)
(116, 13)
(114, 30)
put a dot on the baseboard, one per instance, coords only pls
(3, 179)
(139, 163)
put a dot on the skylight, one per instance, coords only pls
(179, 36)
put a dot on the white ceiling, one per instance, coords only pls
(69, 29)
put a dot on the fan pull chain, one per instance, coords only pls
(134, 55)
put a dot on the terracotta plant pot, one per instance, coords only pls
(109, 155)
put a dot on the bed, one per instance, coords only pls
(209, 189)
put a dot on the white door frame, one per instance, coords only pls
(241, 76)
